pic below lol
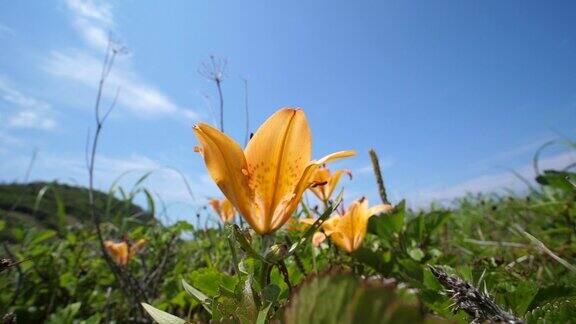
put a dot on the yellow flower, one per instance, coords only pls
(348, 231)
(296, 225)
(265, 181)
(325, 182)
(223, 208)
(318, 237)
(121, 252)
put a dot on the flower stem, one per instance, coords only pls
(379, 179)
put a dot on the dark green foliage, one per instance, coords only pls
(48, 205)
(561, 310)
(519, 250)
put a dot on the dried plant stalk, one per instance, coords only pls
(478, 305)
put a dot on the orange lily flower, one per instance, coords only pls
(121, 252)
(325, 182)
(265, 181)
(223, 208)
(348, 231)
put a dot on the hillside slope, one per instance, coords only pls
(42, 204)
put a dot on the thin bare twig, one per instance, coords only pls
(20, 273)
(128, 283)
(246, 112)
(543, 248)
(496, 243)
(158, 270)
(215, 70)
(284, 270)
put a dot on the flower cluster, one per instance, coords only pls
(265, 181)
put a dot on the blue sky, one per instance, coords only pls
(451, 94)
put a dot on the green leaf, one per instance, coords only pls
(345, 299)
(552, 292)
(161, 316)
(557, 179)
(416, 254)
(271, 292)
(387, 226)
(65, 315)
(60, 211)
(203, 299)
(263, 315)
(426, 224)
(416, 228)
(523, 294)
(434, 220)
(245, 244)
(42, 236)
(559, 311)
(238, 305)
(314, 227)
(150, 202)
(94, 319)
(209, 281)
(372, 259)
(182, 226)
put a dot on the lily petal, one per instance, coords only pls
(330, 225)
(333, 182)
(137, 247)
(341, 241)
(215, 203)
(321, 181)
(228, 211)
(227, 167)
(335, 156)
(277, 156)
(307, 221)
(306, 180)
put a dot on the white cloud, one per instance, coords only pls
(93, 35)
(98, 11)
(135, 94)
(31, 112)
(526, 149)
(31, 119)
(489, 182)
(93, 21)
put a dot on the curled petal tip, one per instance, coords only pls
(292, 108)
(335, 156)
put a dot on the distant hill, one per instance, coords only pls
(19, 205)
